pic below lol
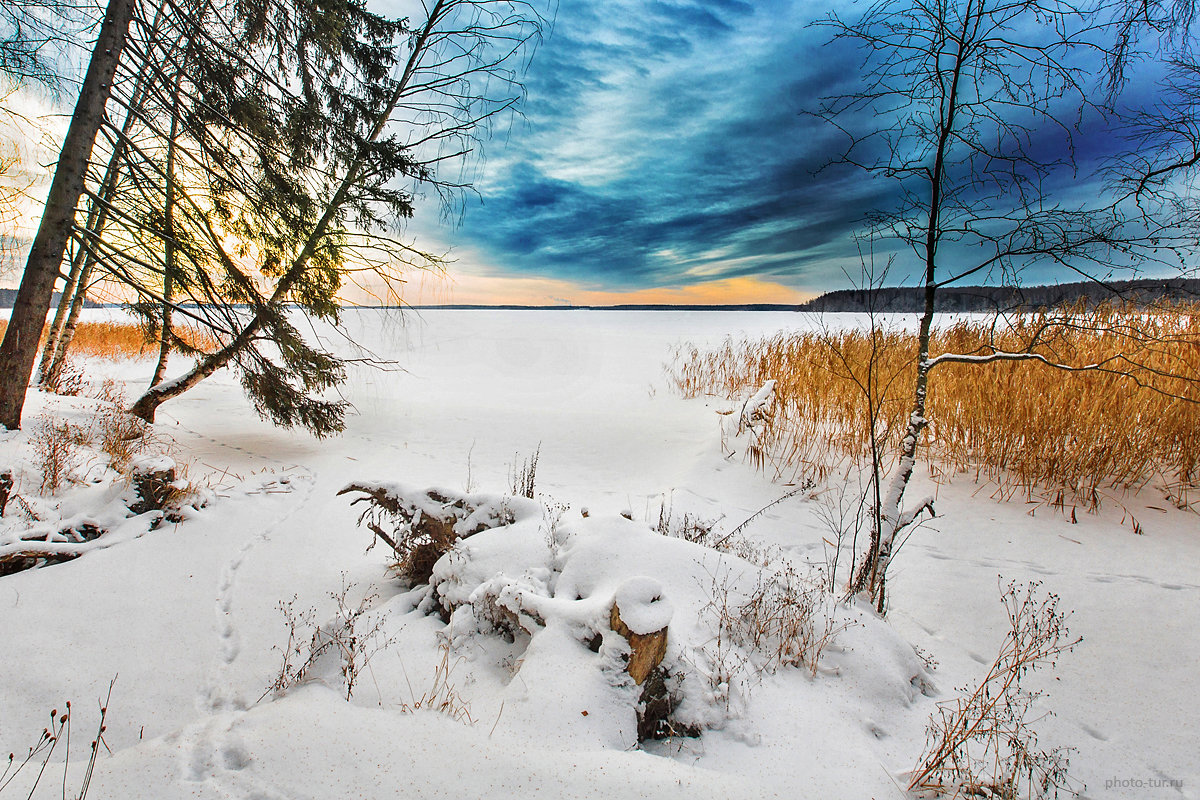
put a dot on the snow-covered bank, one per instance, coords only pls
(187, 615)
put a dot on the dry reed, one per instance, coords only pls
(1024, 425)
(56, 444)
(120, 340)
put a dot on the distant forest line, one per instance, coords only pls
(1145, 291)
(8, 296)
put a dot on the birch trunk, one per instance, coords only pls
(64, 309)
(890, 515)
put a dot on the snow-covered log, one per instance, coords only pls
(420, 525)
(758, 407)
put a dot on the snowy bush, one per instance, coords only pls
(784, 619)
(121, 436)
(337, 650)
(605, 609)
(98, 480)
(56, 446)
(422, 526)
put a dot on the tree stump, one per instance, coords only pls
(644, 625)
(154, 482)
(6, 485)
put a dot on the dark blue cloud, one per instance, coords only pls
(669, 143)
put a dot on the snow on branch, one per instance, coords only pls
(999, 355)
(909, 516)
(1129, 370)
(758, 407)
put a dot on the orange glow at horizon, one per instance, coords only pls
(469, 289)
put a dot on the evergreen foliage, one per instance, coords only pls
(258, 154)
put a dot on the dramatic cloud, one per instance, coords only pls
(666, 144)
(669, 144)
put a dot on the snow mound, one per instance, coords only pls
(527, 610)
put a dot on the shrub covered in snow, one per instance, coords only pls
(607, 606)
(83, 483)
(422, 526)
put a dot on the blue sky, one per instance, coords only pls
(665, 153)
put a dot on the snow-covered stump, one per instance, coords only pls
(154, 483)
(641, 615)
(643, 623)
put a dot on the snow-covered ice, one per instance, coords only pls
(186, 615)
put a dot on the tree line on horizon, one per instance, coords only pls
(1143, 292)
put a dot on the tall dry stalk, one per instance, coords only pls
(983, 743)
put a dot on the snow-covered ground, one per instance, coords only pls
(187, 616)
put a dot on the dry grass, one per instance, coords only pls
(1025, 426)
(523, 474)
(786, 619)
(119, 340)
(120, 436)
(688, 526)
(56, 451)
(39, 755)
(352, 636)
(983, 743)
(441, 695)
(69, 381)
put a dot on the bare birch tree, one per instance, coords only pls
(969, 108)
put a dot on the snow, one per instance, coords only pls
(642, 606)
(187, 615)
(145, 465)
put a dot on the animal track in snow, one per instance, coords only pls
(216, 695)
(1113, 578)
(214, 753)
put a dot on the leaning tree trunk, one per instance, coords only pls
(51, 376)
(165, 333)
(32, 305)
(146, 405)
(64, 308)
(54, 351)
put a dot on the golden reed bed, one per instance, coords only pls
(117, 340)
(1024, 426)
